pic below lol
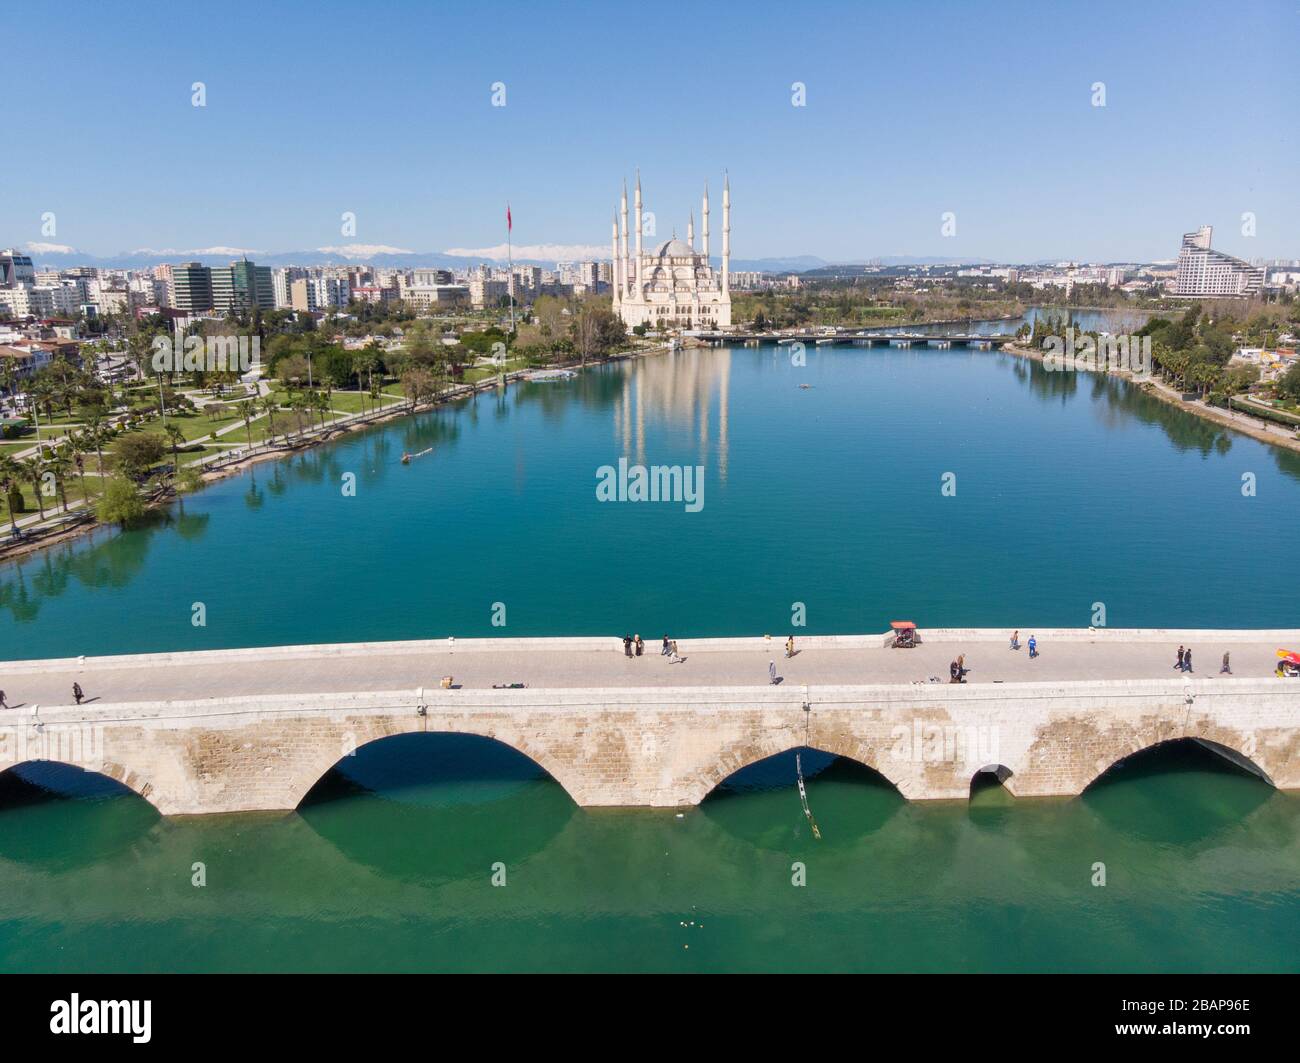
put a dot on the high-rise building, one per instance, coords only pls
(191, 288)
(223, 290)
(1202, 271)
(484, 292)
(27, 300)
(16, 269)
(241, 286)
(302, 294)
(252, 285)
(331, 293)
(282, 282)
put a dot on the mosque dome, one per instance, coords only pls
(673, 248)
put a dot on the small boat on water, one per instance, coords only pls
(406, 458)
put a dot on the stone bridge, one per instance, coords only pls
(244, 730)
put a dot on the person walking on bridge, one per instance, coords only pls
(4, 704)
(1179, 664)
(1033, 647)
(1187, 660)
(666, 648)
(771, 672)
(1225, 670)
(77, 695)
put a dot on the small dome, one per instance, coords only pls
(673, 248)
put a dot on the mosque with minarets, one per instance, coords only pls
(672, 285)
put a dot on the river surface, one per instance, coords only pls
(1070, 491)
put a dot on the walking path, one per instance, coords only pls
(595, 663)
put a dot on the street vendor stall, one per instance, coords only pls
(905, 634)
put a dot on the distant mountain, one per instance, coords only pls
(56, 256)
(793, 264)
(62, 257)
(147, 258)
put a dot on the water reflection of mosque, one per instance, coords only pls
(676, 389)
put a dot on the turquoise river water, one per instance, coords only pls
(1070, 490)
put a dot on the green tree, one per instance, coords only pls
(268, 405)
(136, 453)
(189, 480)
(247, 410)
(175, 437)
(120, 503)
(11, 475)
(58, 466)
(34, 473)
(1288, 384)
(364, 364)
(78, 447)
(419, 386)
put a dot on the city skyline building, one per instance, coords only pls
(1202, 271)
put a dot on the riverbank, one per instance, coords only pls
(1257, 428)
(61, 529)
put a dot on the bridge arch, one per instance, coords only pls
(130, 780)
(736, 759)
(305, 777)
(1240, 758)
(988, 777)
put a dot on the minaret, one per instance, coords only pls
(690, 232)
(726, 234)
(613, 259)
(636, 266)
(623, 255)
(704, 224)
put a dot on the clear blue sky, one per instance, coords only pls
(913, 109)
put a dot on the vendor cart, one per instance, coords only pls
(905, 634)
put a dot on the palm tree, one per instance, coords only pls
(58, 466)
(9, 375)
(247, 410)
(176, 437)
(11, 475)
(366, 361)
(38, 395)
(79, 446)
(33, 473)
(268, 405)
(95, 435)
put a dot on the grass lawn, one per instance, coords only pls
(71, 486)
(52, 431)
(342, 402)
(193, 425)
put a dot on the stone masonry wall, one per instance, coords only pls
(672, 747)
